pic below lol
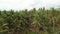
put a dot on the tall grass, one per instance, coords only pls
(33, 21)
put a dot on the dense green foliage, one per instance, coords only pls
(34, 21)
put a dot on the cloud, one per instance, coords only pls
(27, 4)
(46, 3)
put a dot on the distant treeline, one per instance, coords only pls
(32, 21)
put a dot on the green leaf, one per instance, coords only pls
(32, 32)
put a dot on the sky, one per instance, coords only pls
(27, 4)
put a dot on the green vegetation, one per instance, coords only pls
(33, 21)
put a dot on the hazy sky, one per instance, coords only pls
(27, 4)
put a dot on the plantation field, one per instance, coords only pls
(32, 21)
